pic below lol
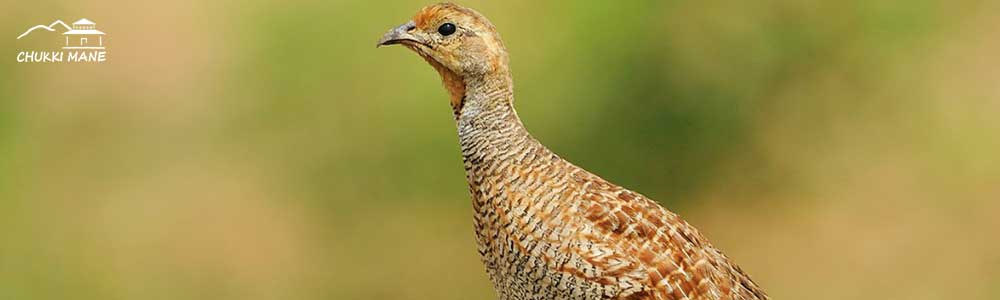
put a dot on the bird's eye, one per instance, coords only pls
(446, 29)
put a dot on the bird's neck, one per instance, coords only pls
(485, 94)
(488, 126)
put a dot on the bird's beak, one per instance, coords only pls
(399, 34)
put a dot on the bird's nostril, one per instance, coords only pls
(410, 28)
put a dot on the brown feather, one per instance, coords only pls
(546, 228)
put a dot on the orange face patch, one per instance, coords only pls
(451, 54)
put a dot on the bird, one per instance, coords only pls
(544, 227)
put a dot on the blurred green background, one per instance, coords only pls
(265, 149)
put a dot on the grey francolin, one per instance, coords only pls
(545, 228)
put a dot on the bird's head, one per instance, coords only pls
(460, 43)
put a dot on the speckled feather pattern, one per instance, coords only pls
(545, 228)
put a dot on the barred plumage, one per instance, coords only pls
(547, 229)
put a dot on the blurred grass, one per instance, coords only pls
(266, 150)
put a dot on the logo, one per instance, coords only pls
(81, 43)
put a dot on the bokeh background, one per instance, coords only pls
(265, 149)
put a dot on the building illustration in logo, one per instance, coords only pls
(84, 35)
(81, 43)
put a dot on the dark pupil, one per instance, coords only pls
(446, 29)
